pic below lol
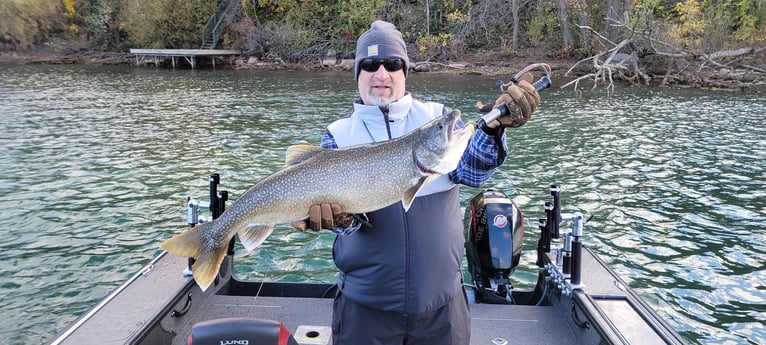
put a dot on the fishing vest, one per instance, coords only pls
(407, 262)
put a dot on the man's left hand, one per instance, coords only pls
(522, 99)
(323, 216)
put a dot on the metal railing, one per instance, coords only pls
(218, 22)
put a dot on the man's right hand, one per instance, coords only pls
(323, 216)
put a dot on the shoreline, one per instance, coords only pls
(509, 67)
(558, 67)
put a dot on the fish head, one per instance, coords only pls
(440, 146)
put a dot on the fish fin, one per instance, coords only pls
(253, 235)
(206, 266)
(189, 244)
(298, 153)
(409, 194)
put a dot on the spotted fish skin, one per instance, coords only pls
(360, 178)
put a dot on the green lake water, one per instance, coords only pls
(99, 161)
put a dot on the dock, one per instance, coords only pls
(191, 55)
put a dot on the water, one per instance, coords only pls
(99, 162)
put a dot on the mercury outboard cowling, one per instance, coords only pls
(238, 331)
(494, 234)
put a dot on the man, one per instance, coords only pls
(400, 278)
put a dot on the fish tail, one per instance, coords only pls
(208, 260)
(187, 243)
(206, 267)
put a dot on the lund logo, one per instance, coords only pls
(235, 342)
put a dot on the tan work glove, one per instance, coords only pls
(324, 216)
(521, 99)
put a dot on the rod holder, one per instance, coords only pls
(544, 243)
(556, 210)
(577, 222)
(566, 265)
(214, 180)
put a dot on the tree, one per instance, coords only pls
(25, 24)
(568, 43)
(165, 23)
(673, 52)
(515, 8)
(583, 20)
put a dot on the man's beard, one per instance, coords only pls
(380, 101)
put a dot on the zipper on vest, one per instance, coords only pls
(384, 110)
(406, 265)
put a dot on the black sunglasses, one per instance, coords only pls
(372, 65)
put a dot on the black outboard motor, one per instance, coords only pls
(494, 234)
(238, 331)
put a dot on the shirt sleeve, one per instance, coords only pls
(328, 142)
(480, 160)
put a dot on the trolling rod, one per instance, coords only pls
(502, 110)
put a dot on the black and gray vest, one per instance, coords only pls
(407, 262)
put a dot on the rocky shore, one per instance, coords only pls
(709, 80)
(559, 67)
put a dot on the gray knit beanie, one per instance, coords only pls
(382, 41)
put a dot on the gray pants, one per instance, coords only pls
(357, 324)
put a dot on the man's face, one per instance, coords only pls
(380, 87)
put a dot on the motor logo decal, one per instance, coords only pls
(500, 221)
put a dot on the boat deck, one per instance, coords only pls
(159, 306)
(515, 324)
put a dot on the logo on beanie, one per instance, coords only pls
(372, 50)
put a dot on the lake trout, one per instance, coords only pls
(361, 178)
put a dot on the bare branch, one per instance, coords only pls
(625, 61)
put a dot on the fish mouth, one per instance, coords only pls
(456, 134)
(452, 131)
(444, 153)
(457, 141)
